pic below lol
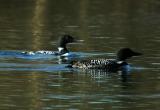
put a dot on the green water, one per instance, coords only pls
(104, 26)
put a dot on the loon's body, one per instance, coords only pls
(107, 64)
(62, 49)
(99, 64)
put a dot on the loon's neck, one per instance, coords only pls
(62, 50)
(122, 62)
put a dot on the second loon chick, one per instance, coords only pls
(108, 64)
(62, 49)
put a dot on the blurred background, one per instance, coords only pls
(105, 26)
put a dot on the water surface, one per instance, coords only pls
(105, 26)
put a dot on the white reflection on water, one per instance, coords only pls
(32, 67)
(48, 54)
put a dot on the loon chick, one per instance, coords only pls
(107, 64)
(62, 49)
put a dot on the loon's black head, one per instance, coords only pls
(126, 53)
(65, 39)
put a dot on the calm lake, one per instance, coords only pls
(103, 27)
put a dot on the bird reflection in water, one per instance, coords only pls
(101, 73)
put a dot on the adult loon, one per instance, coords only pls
(62, 49)
(106, 64)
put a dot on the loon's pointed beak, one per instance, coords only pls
(74, 40)
(136, 53)
(77, 41)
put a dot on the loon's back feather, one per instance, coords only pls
(39, 52)
(98, 64)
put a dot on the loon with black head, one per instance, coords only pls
(63, 41)
(62, 49)
(107, 64)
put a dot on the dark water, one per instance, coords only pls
(105, 26)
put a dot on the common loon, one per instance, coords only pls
(62, 49)
(106, 64)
